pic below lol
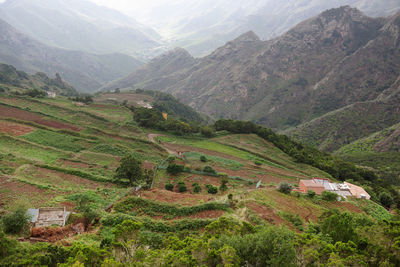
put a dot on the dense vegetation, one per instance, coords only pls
(338, 239)
(173, 107)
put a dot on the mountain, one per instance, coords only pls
(336, 59)
(80, 25)
(18, 81)
(202, 26)
(87, 72)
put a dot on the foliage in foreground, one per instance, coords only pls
(338, 239)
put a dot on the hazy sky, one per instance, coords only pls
(129, 4)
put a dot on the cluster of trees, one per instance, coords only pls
(173, 107)
(152, 118)
(87, 99)
(336, 167)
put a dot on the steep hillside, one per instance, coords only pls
(87, 72)
(336, 59)
(59, 153)
(12, 80)
(80, 25)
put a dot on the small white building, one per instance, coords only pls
(43, 217)
(51, 94)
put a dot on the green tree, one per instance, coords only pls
(339, 226)
(16, 221)
(284, 188)
(386, 199)
(175, 169)
(130, 168)
(207, 132)
(329, 196)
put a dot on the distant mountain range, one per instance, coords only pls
(81, 25)
(202, 26)
(87, 72)
(329, 81)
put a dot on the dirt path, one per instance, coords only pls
(152, 137)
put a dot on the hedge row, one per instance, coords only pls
(155, 207)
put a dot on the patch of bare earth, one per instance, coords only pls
(10, 112)
(266, 213)
(14, 128)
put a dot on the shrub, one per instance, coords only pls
(196, 188)
(329, 196)
(175, 169)
(257, 163)
(203, 159)
(211, 189)
(209, 169)
(169, 187)
(386, 199)
(284, 188)
(223, 186)
(230, 197)
(207, 132)
(311, 193)
(182, 187)
(15, 222)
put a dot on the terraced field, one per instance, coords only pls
(54, 151)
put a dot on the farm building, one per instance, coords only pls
(307, 185)
(43, 217)
(51, 94)
(319, 185)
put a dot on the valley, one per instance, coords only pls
(269, 136)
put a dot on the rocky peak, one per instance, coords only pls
(176, 53)
(239, 45)
(249, 36)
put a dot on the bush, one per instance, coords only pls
(207, 132)
(311, 193)
(329, 196)
(15, 222)
(211, 189)
(223, 186)
(175, 169)
(196, 188)
(386, 199)
(182, 187)
(285, 188)
(257, 163)
(203, 159)
(209, 169)
(169, 187)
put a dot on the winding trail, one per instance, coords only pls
(152, 139)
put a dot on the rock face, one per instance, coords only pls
(329, 63)
(86, 72)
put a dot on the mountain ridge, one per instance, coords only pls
(87, 72)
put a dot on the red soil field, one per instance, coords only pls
(14, 128)
(10, 112)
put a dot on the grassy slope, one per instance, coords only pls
(106, 134)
